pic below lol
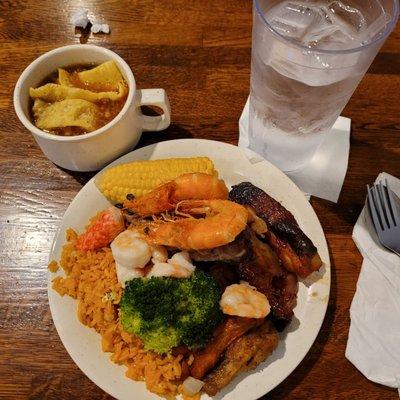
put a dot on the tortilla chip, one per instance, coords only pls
(69, 112)
(72, 102)
(106, 77)
(52, 92)
(104, 74)
(63, 77)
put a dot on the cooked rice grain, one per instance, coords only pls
(53, 266)
(91, 279)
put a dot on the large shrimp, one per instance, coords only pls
(185, 187)
(219, 223)
(244, 300)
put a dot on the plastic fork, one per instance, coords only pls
(385, 215)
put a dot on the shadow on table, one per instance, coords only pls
(171, 133)
(302, 370)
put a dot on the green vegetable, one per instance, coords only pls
(168, 312)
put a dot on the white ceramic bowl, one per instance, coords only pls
(90, 151)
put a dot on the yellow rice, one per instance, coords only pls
(91, 279)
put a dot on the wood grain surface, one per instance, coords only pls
(199, 51)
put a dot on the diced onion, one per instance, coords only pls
(191, 386)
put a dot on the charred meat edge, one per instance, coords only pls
(296, 251)
(261, 268)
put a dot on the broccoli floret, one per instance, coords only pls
(168, 312)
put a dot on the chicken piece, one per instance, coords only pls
(244, 354)
(261, 269)
(296, 251)
(228, 331)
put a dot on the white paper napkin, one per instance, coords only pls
(323, 176)
(373, 345)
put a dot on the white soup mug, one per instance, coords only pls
(90, 151)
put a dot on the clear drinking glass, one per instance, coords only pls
(307, 59)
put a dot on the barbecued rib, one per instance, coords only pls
(296, 251)
(244, 354)
(228, 331)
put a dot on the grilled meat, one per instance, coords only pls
(296, 251)
(261, 269)
(244, 354)
(257, 224)
(282, 297)
(228, 331)
(262, 255)
(232, 252)
(224, 274)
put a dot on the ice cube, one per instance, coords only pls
(332, 28)
(297, 14)
(325, 34)
(376, 28)
(286, 30)
(336, 40)
(312, 24)
(291, 18)
(346, 15)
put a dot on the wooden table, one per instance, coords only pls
(199, 51)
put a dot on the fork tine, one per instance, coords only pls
(393, 206)
(384, 203)
(374, 213)
(379, 207)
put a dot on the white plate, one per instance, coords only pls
(235, 165)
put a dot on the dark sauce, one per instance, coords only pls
(108, 109)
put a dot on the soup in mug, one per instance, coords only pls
(78, 99)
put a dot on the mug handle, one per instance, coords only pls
(159, 98)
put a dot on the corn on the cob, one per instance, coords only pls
(140, 177)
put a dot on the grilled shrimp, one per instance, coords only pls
(244, 300)
(219, 223)
(185, 187)
(102, 230)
